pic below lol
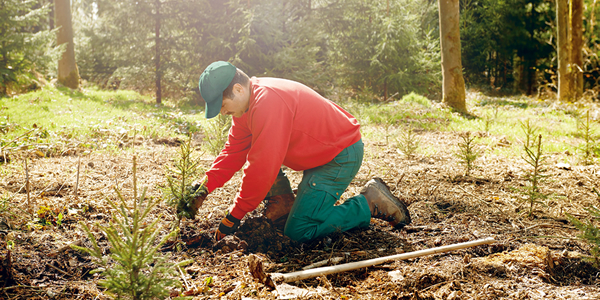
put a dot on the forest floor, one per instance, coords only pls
(537, 257)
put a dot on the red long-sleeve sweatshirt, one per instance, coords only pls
(287, 123)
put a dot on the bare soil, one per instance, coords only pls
(536, 257)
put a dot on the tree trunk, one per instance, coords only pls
(562, 50)
(68, 74)
(576, 55)
(592, 22)
(453, 84)
(51, 15)
(157, 53)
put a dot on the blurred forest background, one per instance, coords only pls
(372, 50)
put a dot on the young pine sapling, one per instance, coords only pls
(590, 232)
(408, 142)
(216, 132)
(467, 153)
(586, 131)
(135, 269)
(179, 191)
(535, 158)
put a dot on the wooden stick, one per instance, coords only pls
(77, 182)
(295, 276)
(135, 199)
(187, 286)
(65, 248)
(29, 208)
(57, 269)
(22, 135)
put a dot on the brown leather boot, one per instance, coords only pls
(384, 205)
(279, 206)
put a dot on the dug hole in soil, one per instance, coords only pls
(533, 258)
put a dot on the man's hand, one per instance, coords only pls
(188, 206)
(200, 190)
(228, 225)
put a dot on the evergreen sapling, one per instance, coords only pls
(590, 232)
(586, 131)
(408, 143)
(179, 191)
(135, 269)
(216, 133)
(467, 154)
(537, 160)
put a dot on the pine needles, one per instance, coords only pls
(586, 131)
(179, 191)
(408, 142)
(134, 269)
(467, 154)
(590, 232)
(216, 134)
(536, 159)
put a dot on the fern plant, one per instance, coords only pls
(135, 269)
(179, 191)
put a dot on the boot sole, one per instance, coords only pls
(398, 202)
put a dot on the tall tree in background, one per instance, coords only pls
(68, 74)
(151, 46)
(328, 45)
(26, 51)
(386, 48)
(506, 44)
(565, 85)
(157, 69)
(453, 84)
(576, 49)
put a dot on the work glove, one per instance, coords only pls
(228, 225)
(200, 192)
(187, 206)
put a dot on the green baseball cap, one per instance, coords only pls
(213, 81)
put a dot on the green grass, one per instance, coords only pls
(556, 123)
(104, 119)
(93, 118)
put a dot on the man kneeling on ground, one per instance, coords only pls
(281, 122)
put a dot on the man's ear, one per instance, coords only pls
(238, 88)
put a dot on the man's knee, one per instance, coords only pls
(298, 233)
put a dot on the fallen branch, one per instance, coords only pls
(295, 276)
(15, 139)
(411, 229)
(77, 182)
(29, 208)
(36, 288)
(543, 225)
(59, 270)
(65, 248)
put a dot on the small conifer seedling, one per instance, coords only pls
(408, 142)
(467, 154)
(179, 191)
(590, 232)
(216, 132)
(535, 158)
(586, 131)
(135, 269)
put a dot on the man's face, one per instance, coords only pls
(237, 105)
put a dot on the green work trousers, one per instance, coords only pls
(313, 214)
